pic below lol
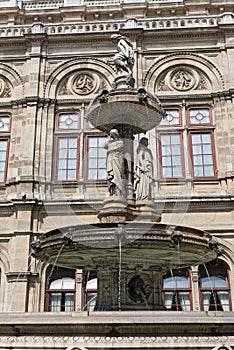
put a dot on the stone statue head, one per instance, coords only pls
(114, 133)
(144, 141)
(115, 37)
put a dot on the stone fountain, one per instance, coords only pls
(129, 248)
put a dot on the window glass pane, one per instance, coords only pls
(208, 171)
(165, 139)
(63, 283)
(62, 175)
(176, 161)
(196, 139)
(166, 161)
(213, 282)
(177, 171)
(93, 152)
(2, 166)
(71, 175)
(71, 163)
(92, 174)
(202, 154)
(224, 300)
(93, 163)
(175, 139)
(167, 172)
(68, 120)
(91, 299)
(206, 138)
(208, 159)
(172, 117)
(101, 152)
(198, 171)
(199, 116)
(72, 153)
(4, 123)
(165, 150)
(171, 157)
(96, 157)
(2, 155)
(206, 149)
(2, 176)
(69, 302)
(206, 300)
(184, 300)
(67, 162)
(168, 298)
(55, 302)
(3, 145)
(197, 160)
(102, 173)
(93, 142)
(175, 282)
(176, 150)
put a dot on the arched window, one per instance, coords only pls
(214, 286)
(60, 293)
(177, 290)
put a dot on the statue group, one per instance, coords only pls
(116, 169)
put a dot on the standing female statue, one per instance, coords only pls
(115, 164)
(144, 171)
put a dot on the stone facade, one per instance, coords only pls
(53, 60)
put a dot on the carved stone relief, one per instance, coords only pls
(182, 79)
(5, 89)
(82, 83)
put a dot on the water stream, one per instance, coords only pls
(212, 287)
(53, 266)
(119, 274)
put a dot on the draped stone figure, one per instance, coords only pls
(144, 171)
(115, 164)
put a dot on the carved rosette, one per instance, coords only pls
(182, 79)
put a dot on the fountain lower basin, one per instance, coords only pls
(130, 258)
(142, 243)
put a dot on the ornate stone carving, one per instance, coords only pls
(5, 90)
(83, 83)
(182, 79)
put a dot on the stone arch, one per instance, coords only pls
(12, 80)
(222, 347)
(191, 62)
(5, 267)
(73, 66)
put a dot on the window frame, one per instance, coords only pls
(66, 136)
(214, 289)
(50, 277)
(202, 131)
(174, 125)
(5, 136)
(171, 132)
(62, 130)
(176, 291)
(87, 136)
(201, 124)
